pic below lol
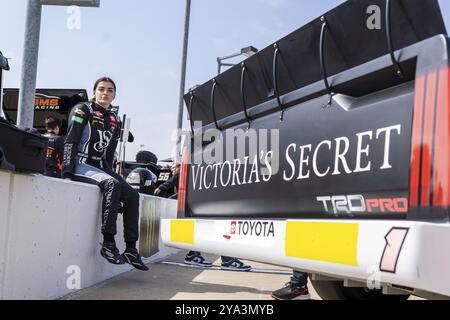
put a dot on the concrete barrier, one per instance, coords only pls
(50, 235)
(5, 179)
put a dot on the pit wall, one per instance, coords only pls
(50, 236)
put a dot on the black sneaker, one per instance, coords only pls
(235, 265)
(132, 257)
(110, 252)
(292, 291)
(197, 260)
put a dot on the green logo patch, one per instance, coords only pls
(77, 119)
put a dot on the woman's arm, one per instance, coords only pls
(78, 118)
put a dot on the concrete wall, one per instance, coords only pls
(49, 225)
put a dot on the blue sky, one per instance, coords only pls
(138, 43)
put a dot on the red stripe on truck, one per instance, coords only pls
(441, 172)
(416, 141)
(183, 180)
(427, 139)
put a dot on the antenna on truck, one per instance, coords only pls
(213, 102)
(275, 80)
(244, 104)
(322, 61)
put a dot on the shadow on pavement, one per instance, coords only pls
(166, 282)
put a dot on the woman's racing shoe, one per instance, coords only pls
(132, 257)
(110, 252)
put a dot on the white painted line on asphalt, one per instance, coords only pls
(217, 267)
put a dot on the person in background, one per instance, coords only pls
(172, 182)
(88, 157)
(296, 289)
(195, 258)
(55, 148)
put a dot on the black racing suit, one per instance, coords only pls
(88, 156)
(53, 164)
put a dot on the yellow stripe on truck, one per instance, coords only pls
(322, 241)
(182, 231)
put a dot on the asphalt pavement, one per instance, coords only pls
(172, 280)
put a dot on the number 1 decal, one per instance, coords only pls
(395, 239)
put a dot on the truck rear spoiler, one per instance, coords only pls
(327, 46)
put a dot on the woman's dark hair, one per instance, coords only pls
(105, 79)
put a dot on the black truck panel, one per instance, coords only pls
(380, 150)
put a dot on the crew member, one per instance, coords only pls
(55, 147)
(172, 182)
(295, 289)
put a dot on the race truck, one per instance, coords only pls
(328, 152)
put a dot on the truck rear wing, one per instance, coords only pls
(304, 59)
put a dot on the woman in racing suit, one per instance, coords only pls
(89, 148)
